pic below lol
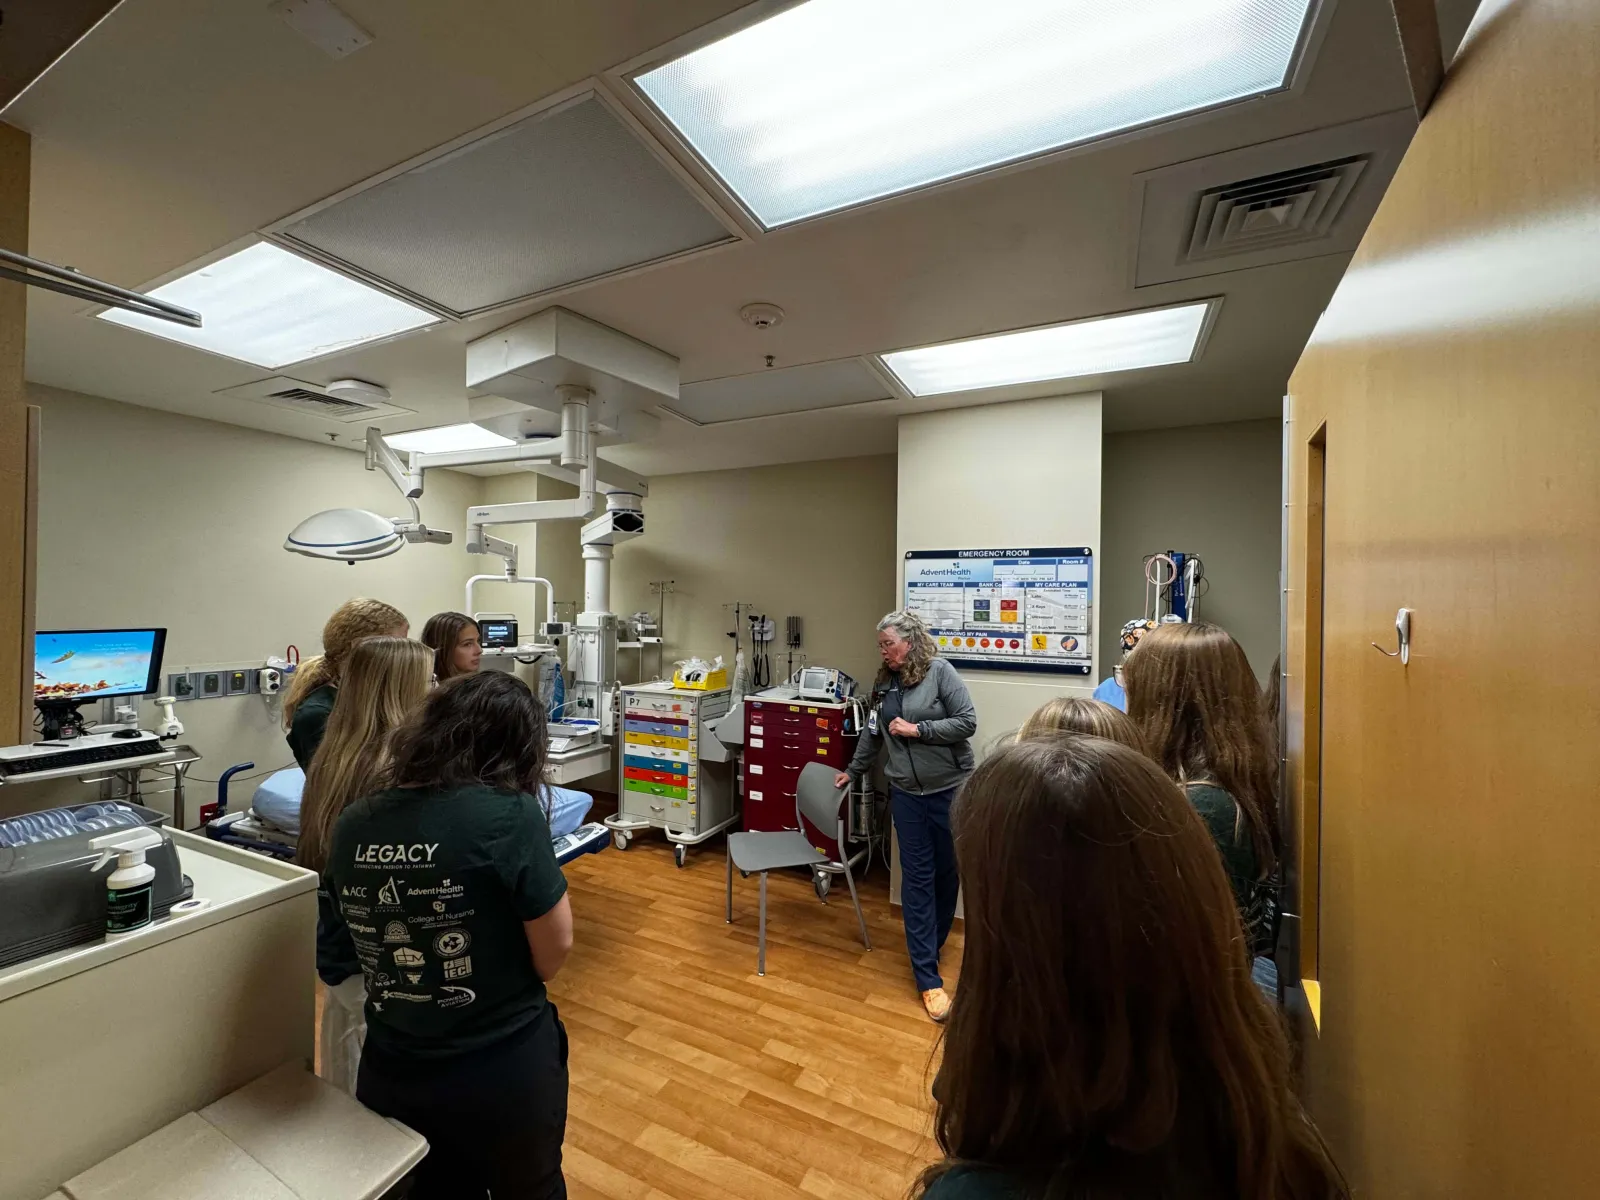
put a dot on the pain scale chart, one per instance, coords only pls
(1007, 609)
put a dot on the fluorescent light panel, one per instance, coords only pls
(446, 439)
(1099, 346)
(265, 306)
(837, 102)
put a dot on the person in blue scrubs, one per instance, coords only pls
(1110, 690)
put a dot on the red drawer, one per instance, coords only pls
(835, 753)
(767, 809)
(644, 776)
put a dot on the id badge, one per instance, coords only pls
(872, 722)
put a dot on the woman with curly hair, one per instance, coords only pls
(922, 719)
(315, 684)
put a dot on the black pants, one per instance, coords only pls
(494, 1118)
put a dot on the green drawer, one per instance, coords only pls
(657, 789)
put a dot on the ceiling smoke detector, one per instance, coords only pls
(761, 316)
(358, 390)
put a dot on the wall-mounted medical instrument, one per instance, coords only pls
(497, 632)
(1174, 582)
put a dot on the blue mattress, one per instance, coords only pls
(277, 801)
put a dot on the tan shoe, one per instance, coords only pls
(937, 1002)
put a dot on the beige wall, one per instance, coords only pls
(814, 540)
(1020, 474)
(149, 518)
(1215, 490)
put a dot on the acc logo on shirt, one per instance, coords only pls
(451, 943)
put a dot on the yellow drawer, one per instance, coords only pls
(665, 743)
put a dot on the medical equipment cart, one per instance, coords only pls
(673, 774)
(782, 733)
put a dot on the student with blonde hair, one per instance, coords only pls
(1072, 714)
(315, 684)
(383, 680)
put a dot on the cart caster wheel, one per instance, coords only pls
(619, 839)
(680, 855)
(822, 884)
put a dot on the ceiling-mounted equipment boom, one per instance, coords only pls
(38, 273)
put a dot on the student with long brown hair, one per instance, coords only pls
(384, 679)
(448, 883)
(1106, 1040)
(457, 644)
(315, 684)
(1074, 714)
(1197, 704)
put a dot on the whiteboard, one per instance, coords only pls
(1007, 609)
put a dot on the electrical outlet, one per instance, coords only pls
(208, 685)
(239, 683)
(180, 686)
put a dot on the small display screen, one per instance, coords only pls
(88, 664)
(497, 633)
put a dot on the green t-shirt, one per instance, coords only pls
(1254, 896)
(434, 887)
(973, 1183)
(310, 722)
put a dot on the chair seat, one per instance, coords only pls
(752, 852)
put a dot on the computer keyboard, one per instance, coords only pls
(85, 756)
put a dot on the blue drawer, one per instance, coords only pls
(657, 728)
(655, 764)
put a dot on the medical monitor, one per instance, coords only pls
(76, 665)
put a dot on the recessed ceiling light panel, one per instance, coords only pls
(266, 306)
(834, 103)
(1099, 346)
(446, 439)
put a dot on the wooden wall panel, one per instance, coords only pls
(1455, 373)
(15, 578)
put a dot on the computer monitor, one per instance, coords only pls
(74, 666)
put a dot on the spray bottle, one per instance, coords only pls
(130, 888)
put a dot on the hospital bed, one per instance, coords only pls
(271, 825)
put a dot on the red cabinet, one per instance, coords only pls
(780, 738)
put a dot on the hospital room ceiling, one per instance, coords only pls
(178, 128)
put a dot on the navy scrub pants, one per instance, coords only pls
(928, 880)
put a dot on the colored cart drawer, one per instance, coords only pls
(659, 754)
(649, 706)
(678, 729)
(639, 762)
(657, 789)
(638, 776)
(650, 739)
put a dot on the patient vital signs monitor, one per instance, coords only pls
(1007, 609)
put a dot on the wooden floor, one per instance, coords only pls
(694, 1077)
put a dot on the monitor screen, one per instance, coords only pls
(497, 634)
(90, 664)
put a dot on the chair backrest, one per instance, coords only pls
(817, 800)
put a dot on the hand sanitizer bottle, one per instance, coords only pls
(130, 889)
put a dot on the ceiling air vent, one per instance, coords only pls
(1284, 208)
(297, 395)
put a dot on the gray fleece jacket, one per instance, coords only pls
(942, 711)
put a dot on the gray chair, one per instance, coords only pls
(816, 801)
